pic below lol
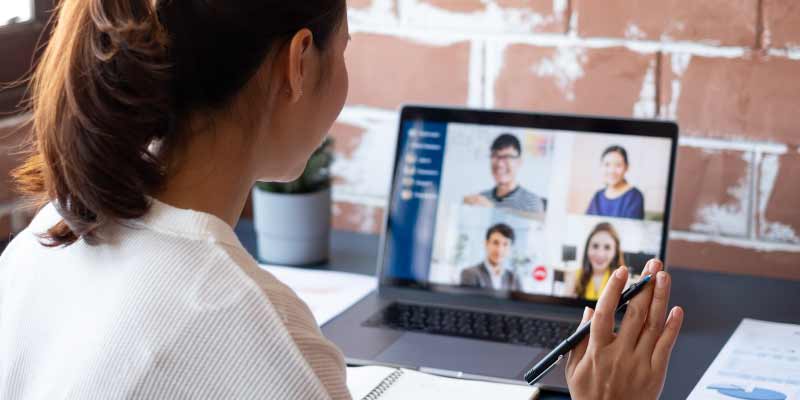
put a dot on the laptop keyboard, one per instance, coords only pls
(472, 324)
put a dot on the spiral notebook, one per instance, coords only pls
(384, 383)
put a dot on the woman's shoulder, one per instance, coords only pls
(25, 243)
(634, 193)
(45, 218)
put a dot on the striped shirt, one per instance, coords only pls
(170, 306)
(519, 199)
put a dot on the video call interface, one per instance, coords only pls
(509, 209)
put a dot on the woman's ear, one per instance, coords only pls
(301, 51)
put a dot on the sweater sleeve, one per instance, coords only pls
(324, 358)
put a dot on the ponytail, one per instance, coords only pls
(100, 99)
(119, 78)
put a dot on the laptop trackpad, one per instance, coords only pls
(460, 354)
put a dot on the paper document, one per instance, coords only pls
(761, 361)
(362, 380)
(373, 383)
(327, 293)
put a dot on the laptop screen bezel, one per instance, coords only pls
(520, 119)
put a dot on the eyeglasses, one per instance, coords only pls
(504, 157)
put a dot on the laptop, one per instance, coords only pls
(501, 226)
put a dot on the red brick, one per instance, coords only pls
(346, 139)
(781, 23)
(754, 97)
(711, 256)
(539, 15)
(367, 5)
(725, 22)
(606, 81)
(357, 217)
(359, 3)
(712, 192)
(779, 198)
(387, 71)
(459, 6)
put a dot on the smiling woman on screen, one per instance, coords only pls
(619, 198)
(602, 254)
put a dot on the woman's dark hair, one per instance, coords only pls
(616, 149)
(119, 77)
(586, 266)
(506, 140)
(502, 229)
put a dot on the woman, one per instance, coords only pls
(619, 198)
(152, 120)
(601, 255)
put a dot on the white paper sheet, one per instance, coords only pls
(421, 386)
(327, 293)
(362, 380)
(761, 361)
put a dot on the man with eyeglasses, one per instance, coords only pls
(506, 160)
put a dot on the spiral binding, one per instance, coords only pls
(385, 384)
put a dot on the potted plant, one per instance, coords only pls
(293, 219)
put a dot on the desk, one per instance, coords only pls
(710, 319)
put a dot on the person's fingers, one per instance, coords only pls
(637, 310)
(655, 317)
(577, 353)
(602, 331)
(666, 342)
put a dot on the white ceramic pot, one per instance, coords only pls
(292, 229)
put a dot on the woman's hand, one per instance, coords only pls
(632, 363)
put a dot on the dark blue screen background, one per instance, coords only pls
(412, 219)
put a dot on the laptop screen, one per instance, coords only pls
(532, 207)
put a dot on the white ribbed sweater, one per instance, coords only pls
(169, 307)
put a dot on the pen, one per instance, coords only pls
(551, 359)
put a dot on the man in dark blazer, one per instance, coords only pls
(490, 274)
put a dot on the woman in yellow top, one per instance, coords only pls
(601, 255)
(152, 120)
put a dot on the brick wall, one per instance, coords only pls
(727, 70)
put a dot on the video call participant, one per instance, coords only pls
(619, 198)
(490, 274)
(506, 161)
(602, 254)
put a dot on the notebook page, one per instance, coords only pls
(761, 360)
(421, 386)
(361, 380)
